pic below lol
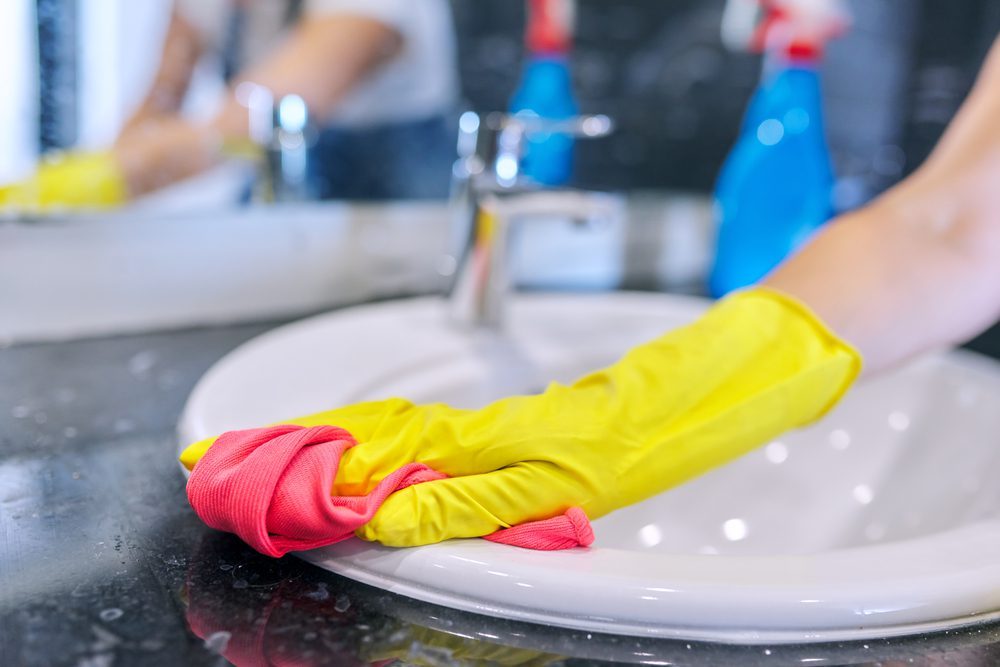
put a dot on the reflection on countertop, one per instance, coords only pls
(102, 561)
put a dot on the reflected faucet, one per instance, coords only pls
(490, 197)
(281, 131)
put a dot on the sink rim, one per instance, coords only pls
(899, 622)
(905, 585)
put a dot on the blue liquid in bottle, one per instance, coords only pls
(546, 91)
(775, 187)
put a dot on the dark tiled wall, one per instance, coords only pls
(949, 45)
(658, 67)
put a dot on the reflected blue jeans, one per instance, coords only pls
(410, 160)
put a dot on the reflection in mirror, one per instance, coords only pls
(264, 100)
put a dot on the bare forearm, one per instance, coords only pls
(181, 50)
(892, 286)
(920, 267)
(322, 60)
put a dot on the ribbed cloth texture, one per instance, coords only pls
(271, 487)
(566, 531)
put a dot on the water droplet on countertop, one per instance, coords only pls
(111, 614)
(64, 395)
(20, 411)
(342, 604)
(218, 642)
(151, 644)
(123, 425)
(141, 363)
(168, 380)
(430, 655)
(104, 639)
(240, 583)
(321, 593)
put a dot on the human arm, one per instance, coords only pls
(918, 268)
(915, 270)
(323, 58)
(182, 47)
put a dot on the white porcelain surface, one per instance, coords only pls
(880, 520)
(175, 260)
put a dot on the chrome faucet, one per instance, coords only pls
(491, 197)
(282, 133)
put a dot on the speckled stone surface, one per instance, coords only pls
(102, 562)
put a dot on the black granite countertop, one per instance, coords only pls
(102, 562)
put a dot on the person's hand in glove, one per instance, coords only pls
(163, 150)
(914, 270)
(72, 181)
(756, 365)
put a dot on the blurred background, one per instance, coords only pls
(77, 70)
(97, 156)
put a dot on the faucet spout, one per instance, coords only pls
(479, 294)
(491, 197)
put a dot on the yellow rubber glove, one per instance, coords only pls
(418, 646)
(72, 180)
(757, 364)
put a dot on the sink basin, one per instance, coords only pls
(880, 520)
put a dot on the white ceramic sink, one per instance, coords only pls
(880, 520)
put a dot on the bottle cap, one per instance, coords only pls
(797, 29)
(550, 26)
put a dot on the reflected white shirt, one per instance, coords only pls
(420, 82)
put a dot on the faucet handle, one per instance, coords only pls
(527, 122)
(580, 206)
(507, 134)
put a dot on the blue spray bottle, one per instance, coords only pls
(775, 188)
(546, 90)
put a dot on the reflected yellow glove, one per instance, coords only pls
(73, 180)
(757, 364)
(419, 646)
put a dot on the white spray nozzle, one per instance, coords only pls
(768, 25)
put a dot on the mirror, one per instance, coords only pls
(228, 102)
(181, 105)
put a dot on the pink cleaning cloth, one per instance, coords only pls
(271, 487)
